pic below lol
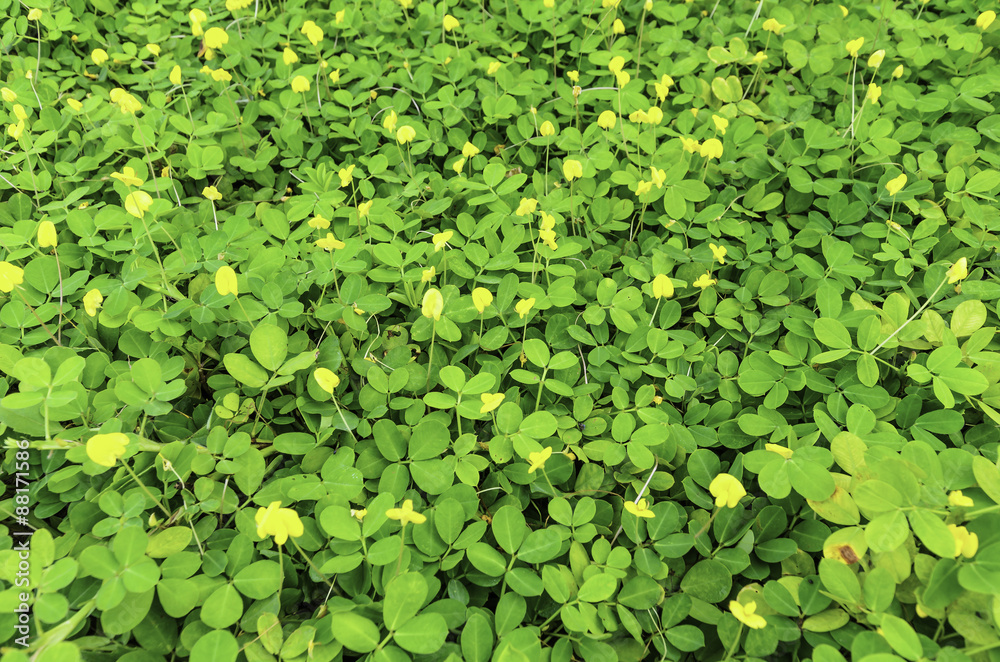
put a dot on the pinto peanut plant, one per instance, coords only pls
(521, 330)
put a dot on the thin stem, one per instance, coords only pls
(912, 317)
(145, 489)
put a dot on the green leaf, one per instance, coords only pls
(598, 588)
(832, 333)
(477, 639)
(901, 637)
(404, 597)
(422, 635)
(215, 646)
(355, 632)
(539, 425)
(244, 370)
(259, 580)
(509, 528)
(932, 532)
(707, 580)
(269, 345)
(687, 638)
(486, 560)
(222, 608)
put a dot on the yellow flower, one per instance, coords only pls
(876, 59)
(19, 112)
(211, 193)
(406, 514)
(389, 123)
(966, 543)
(854, 46)
(843, 10)
(106, 449)
(481, 298)
(549, 4)
(897, 72)
(289, 56)
(548, 238)
(327, 379)
(450, 22)
(8, 95)
(958, 271)
(10, 277)
(572, 169)
(705, 280)
(406, 3)
(662, 90)
(895, 185)
(469, 150)
(538, 459)
(622, 78)
(216, 38)
(490, 402)
(154, 49)
(727, 491)
(648, 6)
(658, 176)
(279, 522)
(221, 75)
(427, 275)
(574, 76)
(433, 304)
(772, 25)
(34, 14)
(126, 102)
(493, 68)
(99, 56)
(313, 32)
(527, 206)
(47, 235)
(175, 75)
(346, 176)
(15, 130)
(197, 16)
(986, 19)
(618, 27)
(127, 176)
(547, 129)
(548, 221)
(712, 148)
(137, 203)
(654, 115)
(225, 281)
(956, 498)
(607, 119)
(92, 300)
(874, 92)
(690, 145)
(74, 104)
(405, 134)
(720, 124)
(329, 242)
(524, 306)
(759, 57)
(640, 509)
(335, 76)
(719, 252)
(643, 187)
(441, 238)
(338, 18)
(662, 287)
(746, 615)
(300, 84)
(458, 165)
(359, 514)
(608, 4)
(364, 208)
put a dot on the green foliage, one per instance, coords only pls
(351, 332)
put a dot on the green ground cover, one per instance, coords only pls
(541, 330)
